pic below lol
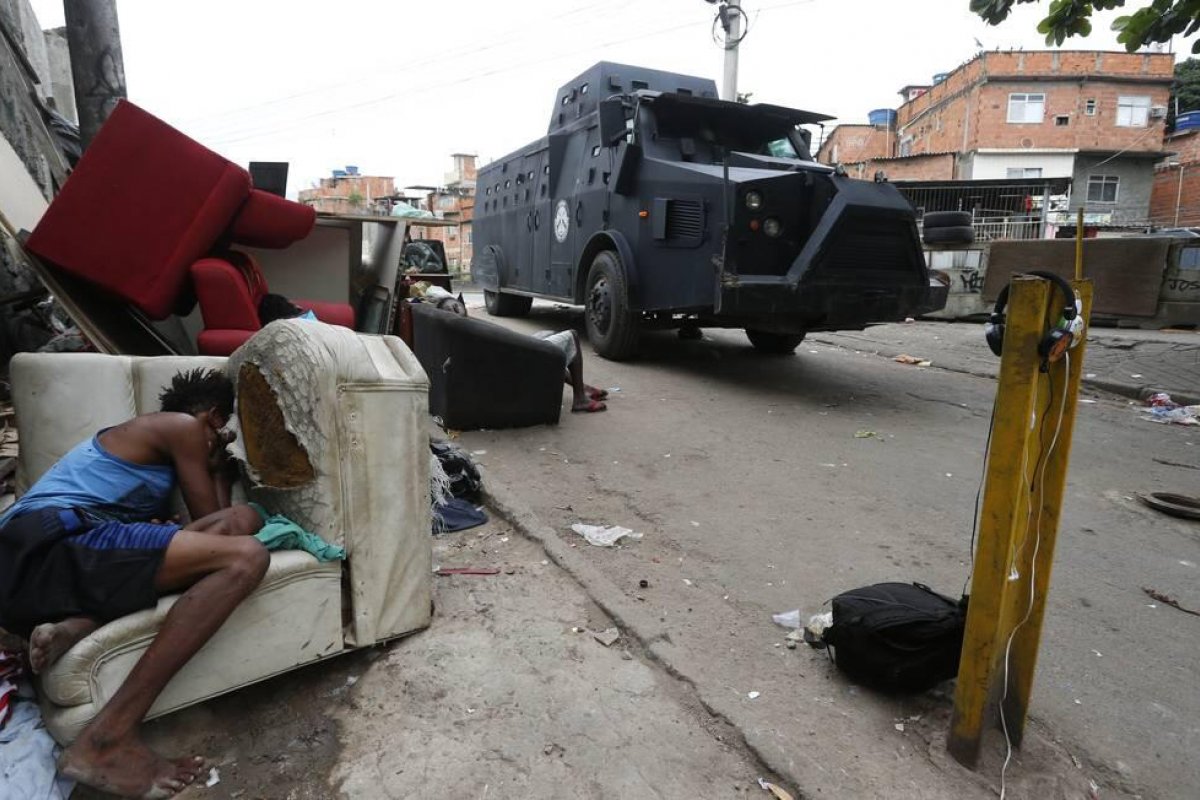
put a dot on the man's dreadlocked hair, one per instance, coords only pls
(198, 390)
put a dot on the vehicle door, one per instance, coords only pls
(525, 218)
(566, 211)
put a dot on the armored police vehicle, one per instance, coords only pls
(654, 204)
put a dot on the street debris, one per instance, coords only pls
(753, 695)
(1161, 408)
(793, 638)
(604, 536)
(644, 584)
(607, 637)
(780, 794)
(899, 726)
(1173, 505)
(444, 571)
(904, 358)
(787, 619)
(214, 777)
(865, 434)
(1168, 600)
(554, 750)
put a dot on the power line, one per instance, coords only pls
(474, 47)
(254, 133)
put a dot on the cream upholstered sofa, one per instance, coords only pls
(333, 433)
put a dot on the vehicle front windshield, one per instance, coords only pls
(704, 131)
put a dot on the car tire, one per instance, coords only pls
(774, 344)
(946, 219)
(499, 304)
(612, 326)
(956, 234)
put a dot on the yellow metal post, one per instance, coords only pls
(1079, 244)
(1025, 481)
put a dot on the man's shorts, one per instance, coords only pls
(56, 563)
(564, 340)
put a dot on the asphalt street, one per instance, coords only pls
(757, 491)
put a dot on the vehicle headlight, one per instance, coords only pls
(753, 201)
(772, 227)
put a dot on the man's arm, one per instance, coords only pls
(192, 446)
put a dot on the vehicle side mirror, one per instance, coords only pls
(612, 122)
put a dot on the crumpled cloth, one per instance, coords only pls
(457, 514)
(280, 533)
(28, 756)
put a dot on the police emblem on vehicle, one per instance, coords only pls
(562, 221)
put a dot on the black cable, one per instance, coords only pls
(722, 19)
(979, 493)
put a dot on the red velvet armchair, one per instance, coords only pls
(145, 210)
(229, 289)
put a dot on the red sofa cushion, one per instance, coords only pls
(142, 205)
(226, 296)
(332, 313)
(267, 220)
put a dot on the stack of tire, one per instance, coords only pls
(947, 227)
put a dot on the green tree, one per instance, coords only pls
(1155, 21)
(1185, 91)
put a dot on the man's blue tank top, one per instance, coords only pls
(104, 486)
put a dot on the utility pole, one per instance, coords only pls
(97, 65)
(731, 20)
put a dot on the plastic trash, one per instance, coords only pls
(787, 619)
(604, 536)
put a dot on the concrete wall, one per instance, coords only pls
(994, 166)
(1133, 193)
(62, 85)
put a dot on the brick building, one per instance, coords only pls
(347, 192)
(856, 144)
(454, 200)
(1175, 200)
(1095, 118)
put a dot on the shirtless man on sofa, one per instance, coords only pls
(85, 546)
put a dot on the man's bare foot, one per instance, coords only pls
(48, 642)
(127, 768)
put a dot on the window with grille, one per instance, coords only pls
(1102, 188)
(1026, 108)
(1133, 112)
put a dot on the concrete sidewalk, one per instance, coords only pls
(1130, 363)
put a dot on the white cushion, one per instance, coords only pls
(292, 618)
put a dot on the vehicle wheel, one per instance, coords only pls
(612, 327)
(776, 344)
(499, 304)
(956, 234)
(946, 219)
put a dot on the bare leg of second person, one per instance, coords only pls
(109, 754)
(582, 397)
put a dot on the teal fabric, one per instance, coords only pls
(280, 533)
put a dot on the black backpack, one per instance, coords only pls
(897, 637)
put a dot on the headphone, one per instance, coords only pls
(1064, 335)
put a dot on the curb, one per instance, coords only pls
(633, 620)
